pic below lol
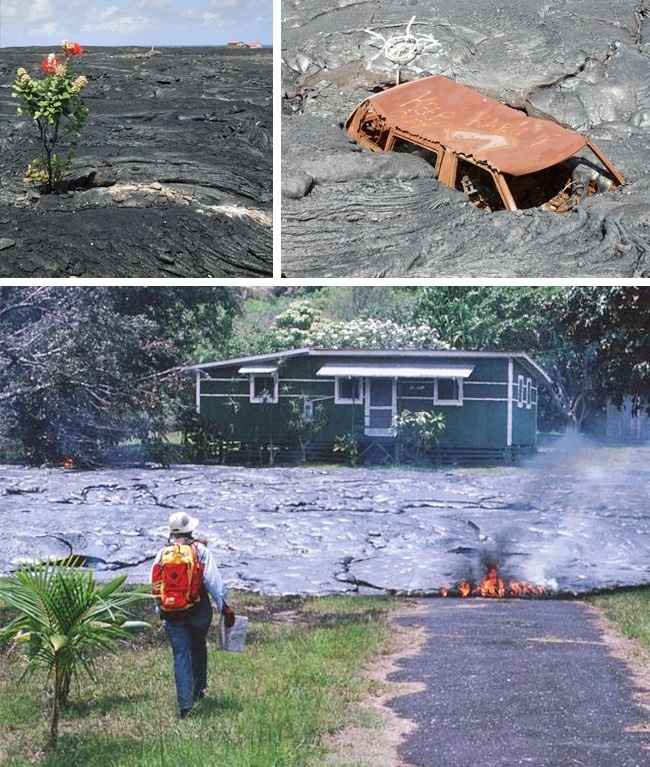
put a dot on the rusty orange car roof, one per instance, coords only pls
(443, 111)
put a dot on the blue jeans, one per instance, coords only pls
(187, 636)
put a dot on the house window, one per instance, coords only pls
(448, 391)
(416, 390)
(263, 388)
(520, 391)
(524, 392)
(348, 391)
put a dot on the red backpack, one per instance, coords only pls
(177, 576)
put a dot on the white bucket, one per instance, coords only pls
(234, 638)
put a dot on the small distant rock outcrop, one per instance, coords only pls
(240, 44)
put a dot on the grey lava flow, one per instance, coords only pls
(569, 525)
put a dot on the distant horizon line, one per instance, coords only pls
(148, 45)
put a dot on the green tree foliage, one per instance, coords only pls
(198, 320)
(355, 302)
(65, 620)
(592, 341)
(611, 325)
(82, 369)
(489, 318)
(511, 319)
(76, 376)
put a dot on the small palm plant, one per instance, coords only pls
(66, 619)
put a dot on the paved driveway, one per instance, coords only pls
(523, 682)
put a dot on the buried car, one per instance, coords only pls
(501, 158)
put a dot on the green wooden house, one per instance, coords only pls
(304, 401)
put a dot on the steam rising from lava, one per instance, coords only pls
(566, 497)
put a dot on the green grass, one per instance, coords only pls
(270, 706)
(630, 611)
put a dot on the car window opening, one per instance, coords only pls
(406, 147)
(478, 184)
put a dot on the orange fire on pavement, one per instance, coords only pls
(68, 463)
(494, 586)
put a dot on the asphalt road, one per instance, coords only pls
(523, 682)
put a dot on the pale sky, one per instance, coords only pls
(135, 22)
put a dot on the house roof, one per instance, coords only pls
(405, 358)
(251, 360)
(443, 111)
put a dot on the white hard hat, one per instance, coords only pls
(181, 522)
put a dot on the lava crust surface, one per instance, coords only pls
(348, 212)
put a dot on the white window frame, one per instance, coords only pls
(340, 400)
(529, 393)
(261, 400)
(520, 391)
(454, 402)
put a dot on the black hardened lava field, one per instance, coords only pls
(563, 526)
(171, 176)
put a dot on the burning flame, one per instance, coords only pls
(494, 586)
(68, 463)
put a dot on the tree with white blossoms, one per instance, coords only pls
(372, 333)
(303, 324)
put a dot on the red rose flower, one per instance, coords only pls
(50, 64)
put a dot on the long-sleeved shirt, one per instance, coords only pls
(212, 579)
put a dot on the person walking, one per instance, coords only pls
(184, 577)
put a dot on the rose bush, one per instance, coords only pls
(53, 103)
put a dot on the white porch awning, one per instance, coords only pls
(259, 369)
(399, 370)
